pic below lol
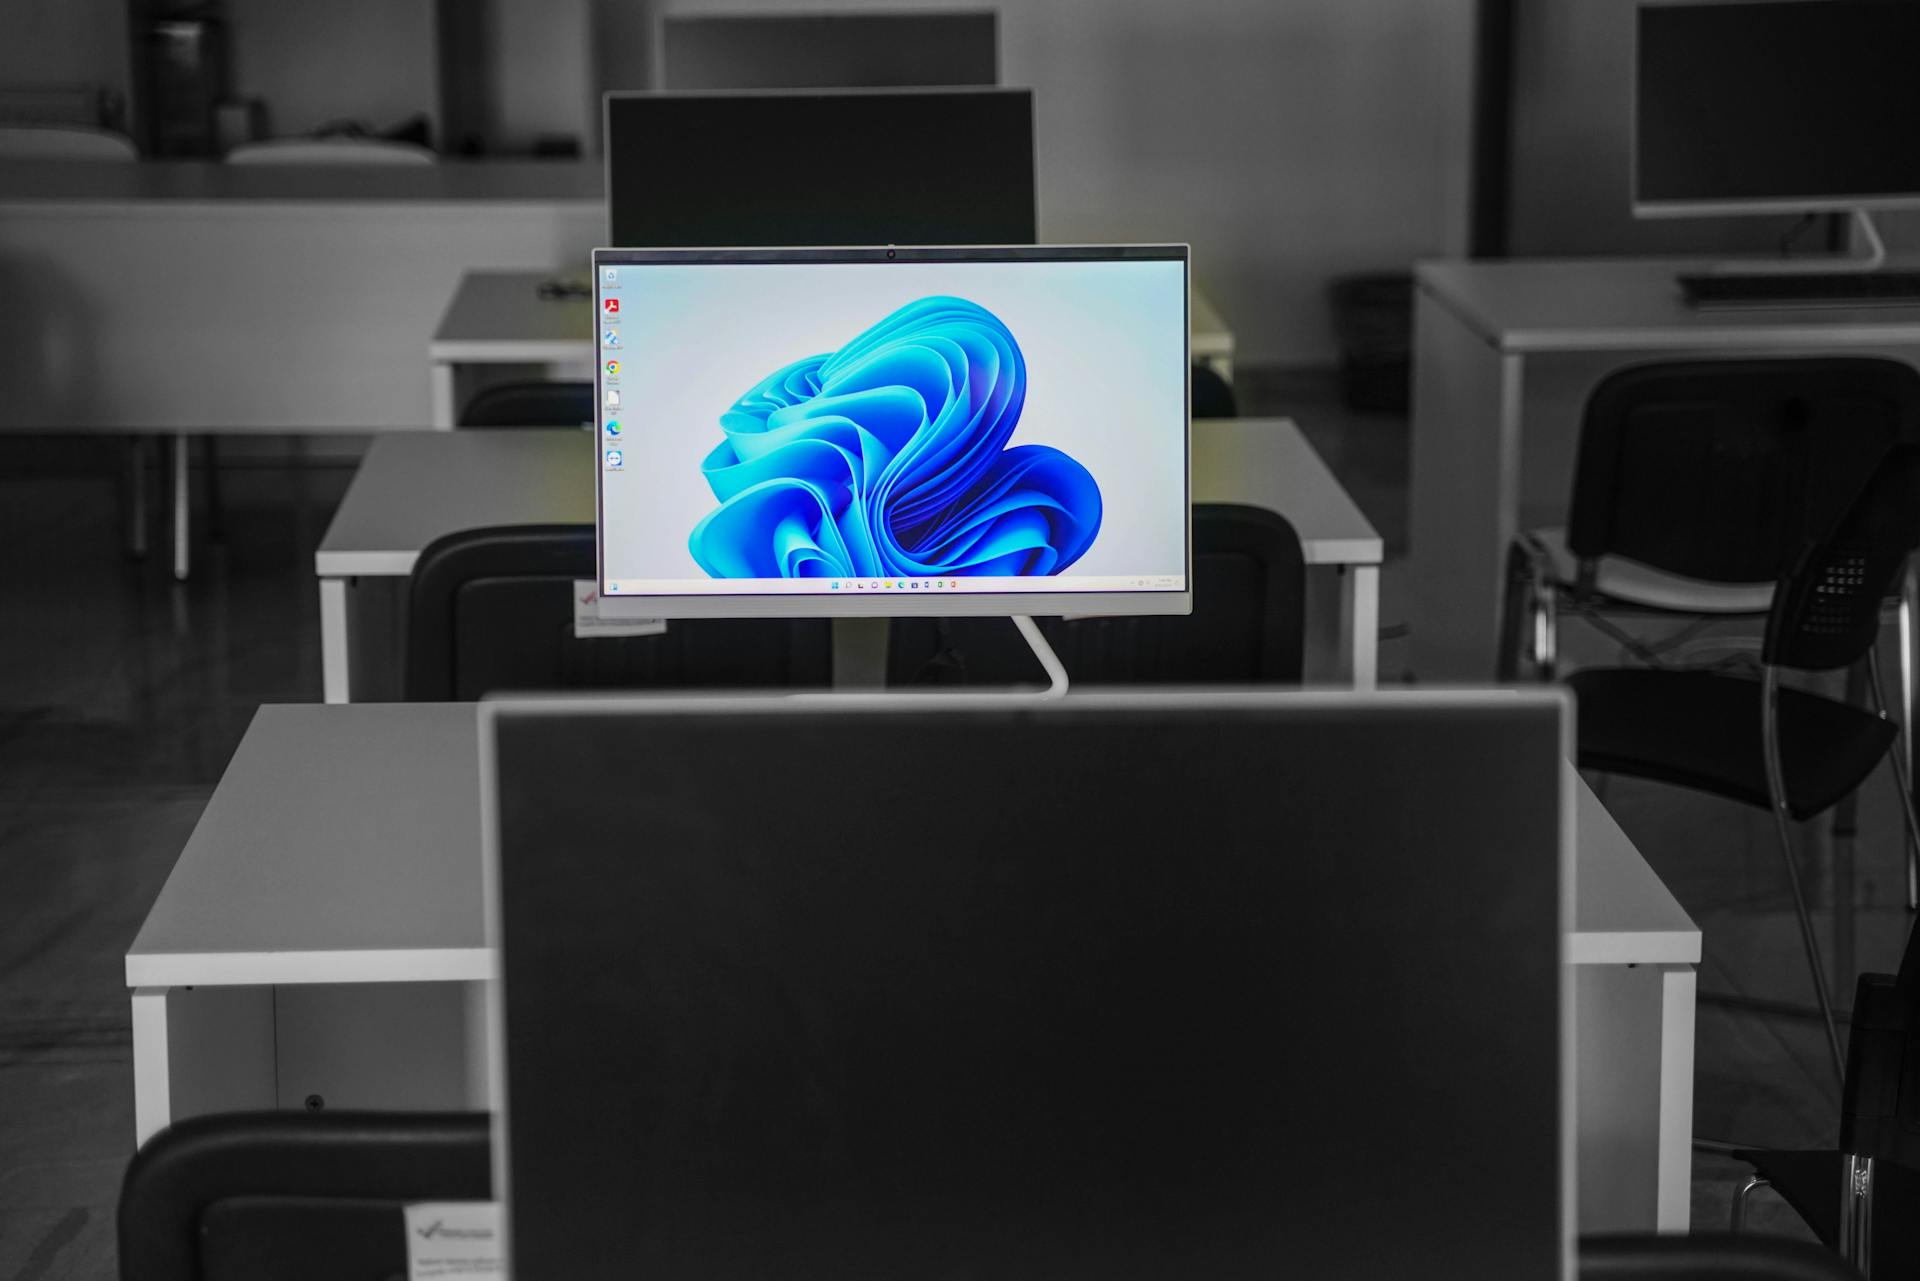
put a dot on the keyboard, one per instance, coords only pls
(1813, 289)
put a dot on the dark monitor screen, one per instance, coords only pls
(1777, 104)
(828, 50)
(923, 167)
(1114, 987)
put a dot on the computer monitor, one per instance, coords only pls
(1219, 985)
(893, 431)
(853, 167)
(1775, 106)
(828, 50)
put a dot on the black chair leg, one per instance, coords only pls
(1737, 1221)
(1856, 1213)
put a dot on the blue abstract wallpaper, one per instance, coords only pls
(888, 459)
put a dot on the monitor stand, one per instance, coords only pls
(1868, 235)
(860, 654)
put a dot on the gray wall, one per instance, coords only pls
(1288, 140)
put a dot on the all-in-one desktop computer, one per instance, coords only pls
(1772, 106)
(1121, 986)
(852, 167)
(871, 433)
(843, 50)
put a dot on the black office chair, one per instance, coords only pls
(491, 610)
(1695, 484)
(1784, 750)
(1245, 629)
(1212, 395)
(1708, 1257)
(531, 404)
(293, 1196)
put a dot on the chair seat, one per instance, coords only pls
(1699, 730)
(1632, 583)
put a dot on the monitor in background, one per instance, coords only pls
(1771, 106)
(877, 167)
(872, 50)
(884, 432)
(1121, 986)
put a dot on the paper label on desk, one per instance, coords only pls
(588, 624)
(454, 1239)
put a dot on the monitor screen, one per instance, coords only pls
(893, 431)
(828, 50)
(920, 167)
(1776, 104)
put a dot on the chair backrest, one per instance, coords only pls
(1826, 613)
(1248, 601)
(531, 404)
(330, 151)
(491, 610)
(47, 142)
(1212, 395)
(1709, 1256)
(1727, 470)
(293, 1196)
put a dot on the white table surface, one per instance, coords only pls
(343, 846)
(1545, 305)
(412, 489)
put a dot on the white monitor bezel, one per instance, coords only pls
(1134, 602)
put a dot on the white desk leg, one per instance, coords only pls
(1466, 464)
(1361, 614)
(443, 411)
(182, 503)
(336, 682)
(1678, 993)
(152, 1078)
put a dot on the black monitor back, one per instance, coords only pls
(829, 50)
(1122, 987)
(919, 167)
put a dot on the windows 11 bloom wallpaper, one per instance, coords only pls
(889, 458)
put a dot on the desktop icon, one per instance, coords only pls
(613, 398)
(610, 305)
(611, 337)
(613, 368)
(615, 460)
(613, 426)
(610, 275)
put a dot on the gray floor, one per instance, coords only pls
(123, 695)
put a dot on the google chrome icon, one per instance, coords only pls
(613, 366)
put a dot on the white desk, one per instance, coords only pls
(499, 318)
(1504, 354)
(322, 935)
(244, 300)
(411, 490)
